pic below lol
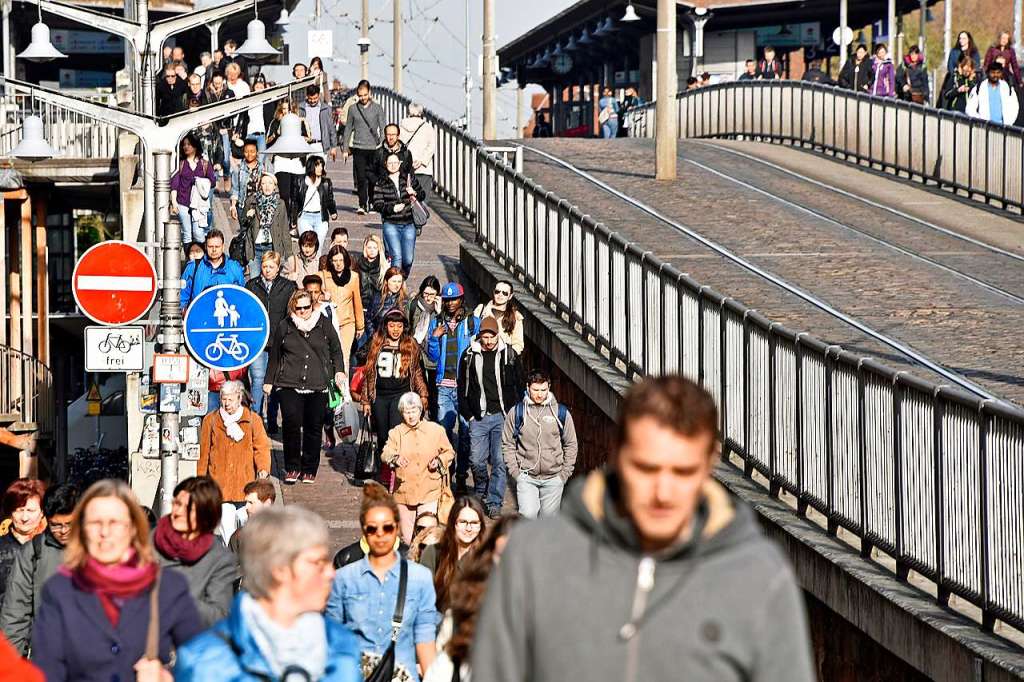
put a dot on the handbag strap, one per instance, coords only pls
(396, 619)
(153, 629)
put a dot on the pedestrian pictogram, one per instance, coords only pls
(114, 283)
(226, 327)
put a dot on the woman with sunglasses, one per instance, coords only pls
(365, 594)
(419, 453)
(464, 532)
(305, 354)
(505, 310)
(275, 629)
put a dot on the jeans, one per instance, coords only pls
(190, 232)
(225, 140)
(610, 128)
(311, 220)
(257, 375)
(539, 496)
(485, 448)
(303, 425)
(400, 241)
(213, 401)
(447, 416)
(253, 267)
(261, 141)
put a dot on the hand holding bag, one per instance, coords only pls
(385, 668)
(367, 460)
(420, 214)
(447, 499)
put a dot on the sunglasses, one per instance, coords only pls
(502, 292)
(387, 529)
(420, 529)
(303, 307)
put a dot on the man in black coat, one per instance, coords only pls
(392, 145)
(170, 92)
(273, 292)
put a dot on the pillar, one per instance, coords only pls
(396, 67)
(666, 125)
(489, 75)
(947, 28)
(520, 125)
(844, 50)
(364, 33)
(890, 20)
(42, 282)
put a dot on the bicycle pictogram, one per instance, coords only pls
(226, 344)
(117, 342)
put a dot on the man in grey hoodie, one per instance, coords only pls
(538, 444)
(650, 572)
(364, 132)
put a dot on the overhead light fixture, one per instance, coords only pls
(585, 39)
(571, 45)
(291, 142)
(283, 20)
(630, 14)
(33, 145)
(40, 49)
(558, 50)
(256, 45)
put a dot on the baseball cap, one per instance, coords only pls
(452, 290)
(488, 325)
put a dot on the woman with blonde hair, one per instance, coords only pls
(341, 287)
(105, 593)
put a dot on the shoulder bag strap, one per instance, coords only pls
(359, 108)
(153, 630)
(396, 620)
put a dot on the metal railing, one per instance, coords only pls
(26, 389)
(72, 135)
(974, 158)
(928, 474)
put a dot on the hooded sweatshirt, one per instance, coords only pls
(722, 607)
(541, 451)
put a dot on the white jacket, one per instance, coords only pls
(420, 142)
(978, 102)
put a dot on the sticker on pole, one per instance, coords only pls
(114, 283)
(226, 327)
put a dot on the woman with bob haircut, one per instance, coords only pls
(184, 541)
(22, 507)
(104, 593)
(275, 629)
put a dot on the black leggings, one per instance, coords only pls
(286, 186)
(385, 417)
(303, 419)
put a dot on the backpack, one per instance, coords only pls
(238, 249)
(520, 415)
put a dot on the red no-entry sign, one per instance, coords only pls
(114, 283)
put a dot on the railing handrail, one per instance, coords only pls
(32, 399)
(929, 474)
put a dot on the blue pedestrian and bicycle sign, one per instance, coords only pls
(226, 327)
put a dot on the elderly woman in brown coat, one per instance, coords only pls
(233, 445)
(418, 451)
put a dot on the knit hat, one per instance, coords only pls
(488, 325)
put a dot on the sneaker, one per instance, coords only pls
(494, 513)
(308, 478)
(360, 211)
(291, 477)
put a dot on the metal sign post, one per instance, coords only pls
(169, 339)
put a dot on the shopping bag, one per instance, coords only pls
(346, 421)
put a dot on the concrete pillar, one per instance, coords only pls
(844, 50)
(666, 128)
(700, 19)
(364, 33)
(490, 75)
(396, 68)
(921, 40)
(214, 34)
(25, 270)
(42, 282)
(890, 20)
(1018, 20)
(947, 28)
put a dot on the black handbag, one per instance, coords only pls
(385, 669)
(367, 457)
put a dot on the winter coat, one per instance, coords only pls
(75, 640)
(170, 100)
(542, 451)
(347, 300)
(232, 463)
(280, 229)
(1009, 54)
(378, 169)
(9, 549)
(508, 377)
(769, 70)
(304, 361)
(387, 195)
(417, 384)
(364, 127)
(951, 97)
(883, 78)
(420, 139)
(954, 59)
(37, 561)
(515, 339)
(979, 106)
(275, 301)
(420, 444)
(328, 207)
(228, 651)
(370, 280)
(856, 76)
(724, 606)
(464, 331)
(211, 580)
(200, 275)
(916, 77)
(297, 268)
(240, 176)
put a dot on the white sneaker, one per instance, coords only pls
(360, 211)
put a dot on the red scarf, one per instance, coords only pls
(114, 585)
(173, 544)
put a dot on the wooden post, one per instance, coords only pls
(42, 284)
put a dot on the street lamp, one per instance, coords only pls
(630, 14)
(40, 49)
(33, 145)
(283, 20)
(256, 45)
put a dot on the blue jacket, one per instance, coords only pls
(435, 345)
(72, 638)
(200, 275)
(209, 657)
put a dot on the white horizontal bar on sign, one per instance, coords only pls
(114, 283)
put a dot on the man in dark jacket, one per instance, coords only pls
(490, 383)
(392, 145)
(814, 74)
(170, 92)
(711, 598)
(38, 559)
(857, 73)
(274, 292)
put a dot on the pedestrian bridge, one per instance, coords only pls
(896, 497)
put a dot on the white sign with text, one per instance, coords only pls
(113, 349)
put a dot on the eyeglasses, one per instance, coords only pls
(60, 527)
(386, 529)
(303, 307)
(467, 524)
(115, 525)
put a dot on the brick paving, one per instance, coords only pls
(956, 323)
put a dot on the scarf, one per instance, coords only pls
(173, 544)
(234, 431)
(114, 585)
(303, 645)
(368, 269)
(266, 206)
(342, 279)
(306, 325)
(7, 526)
